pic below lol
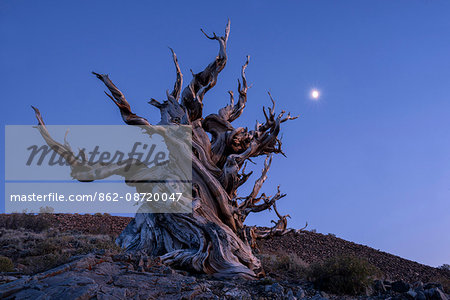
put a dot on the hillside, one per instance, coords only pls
(308, 246)
(311, 247)
(37, 243)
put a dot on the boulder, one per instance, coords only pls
(379, 287)
(421, 296)
(400, 286)
(237, 293)
(275, 288)
(300, 294)
(431, 285)
(290, 295)
(435, 294)
(411, 294)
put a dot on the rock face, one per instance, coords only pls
(131, 276)
(102, 277)
(138, 276)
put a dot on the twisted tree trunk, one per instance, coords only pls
(213, 238)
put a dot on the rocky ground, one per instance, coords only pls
(311, 247)
(137, 276)
(89, 266)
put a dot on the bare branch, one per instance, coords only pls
(192, 96)
(213, 238)
(179, 82)
(251, 199)
(244, 176)
(231, 112)
(268, 202)
(63, 150)
(119, 99)
(132, 170)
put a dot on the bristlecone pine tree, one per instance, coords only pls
(213, 238)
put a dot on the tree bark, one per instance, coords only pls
(213, 238)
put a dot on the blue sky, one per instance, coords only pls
(369, 161)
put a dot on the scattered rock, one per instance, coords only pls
(138, 276)
(435, 293)
(275, 288)
(417, 286)
(431, 285)
(420, 296)
(6, 278)
(30, 294)
(387, 284)
(411, 294)
(318, 296)
(300, 294)
(315, 247)
(324, 295)
(379, 287)
(107, 277)
(400, 286)
(237, 293)
(290, 295)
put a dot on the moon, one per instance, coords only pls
(315, 94)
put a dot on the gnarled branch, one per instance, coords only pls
(192, 96)
(213, 238)
(119, 99)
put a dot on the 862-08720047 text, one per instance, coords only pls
(97, 196)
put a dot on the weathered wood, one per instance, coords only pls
(213, 238)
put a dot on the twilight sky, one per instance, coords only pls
(369, 161)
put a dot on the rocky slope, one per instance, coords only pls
(137, 276)
(90, 273)
(308, 246)
(312, 247)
